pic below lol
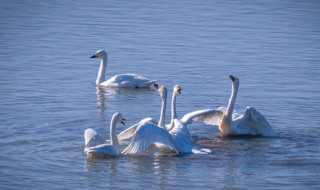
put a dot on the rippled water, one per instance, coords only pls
(48, 96)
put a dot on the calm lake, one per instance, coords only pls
(48, 93)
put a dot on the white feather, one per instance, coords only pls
(147, 134)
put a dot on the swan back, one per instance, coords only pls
(128, 81)
(102, 150)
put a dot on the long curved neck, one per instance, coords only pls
(113, 135)
(163, 111)
(173, 107)
(232, 101)
(102, 71)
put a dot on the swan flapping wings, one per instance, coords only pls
(147, 134)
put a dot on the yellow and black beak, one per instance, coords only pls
(158, 86)
(95, 55)
(122, 121)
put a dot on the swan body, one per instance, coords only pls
(178, 139)
(251, 122)
(95, 146)
(122, 80)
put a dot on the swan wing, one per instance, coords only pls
(128, 133)
(147, 134)
(257, 122)
(92, 138)
(208, 116)
(235, 114)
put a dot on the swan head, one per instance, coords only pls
(235, 80)
(162, 90)
(119, 117)
(177, 89)
(100, 54)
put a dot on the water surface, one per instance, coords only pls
(48, 96)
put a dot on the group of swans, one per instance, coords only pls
(172, 137)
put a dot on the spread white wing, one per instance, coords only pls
(128, 133)
(147, 134)
(257, 122)
(208, 116)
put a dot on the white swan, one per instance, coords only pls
(251, 123)
(178, 139)
(95, 146)
(122, 80)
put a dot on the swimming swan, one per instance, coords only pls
(178, 138)
(251, 123)
(122, 80)
(95, 146)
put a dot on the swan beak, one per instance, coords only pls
(156, 85)
(122, 121)
(95, 55)
(179, 91)
(232, 78)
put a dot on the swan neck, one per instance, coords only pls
(232, 101)
(102, 71)
(113, 135)
(163, 112)
(173, 107)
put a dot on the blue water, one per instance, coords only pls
(48, 93)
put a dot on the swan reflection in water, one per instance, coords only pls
(111, 94)
(95, 165)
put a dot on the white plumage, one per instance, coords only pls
(122, 80)
(229, 123)
(178, 139)
(95, 146)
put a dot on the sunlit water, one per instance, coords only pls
(48, 96)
